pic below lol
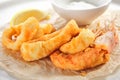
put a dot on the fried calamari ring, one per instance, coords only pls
(24, 32)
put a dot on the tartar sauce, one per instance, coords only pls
(80, 5)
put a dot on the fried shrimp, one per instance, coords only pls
(40, 49)
(24, 32)
(79, 43)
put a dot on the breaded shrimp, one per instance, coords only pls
(79, 43)
(40, 49)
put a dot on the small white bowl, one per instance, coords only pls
(82, 16)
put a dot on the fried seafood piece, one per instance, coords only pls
(79, 43)
(79, 61)
(47, 36)
(48, 28)
(23, 32)
(31, 51)
(44, 29)
(91, 56)
(14, 36)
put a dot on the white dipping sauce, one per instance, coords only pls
(80, 5)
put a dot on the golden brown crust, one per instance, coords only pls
(79, 61)
(41, 49)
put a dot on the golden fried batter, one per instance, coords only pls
(37, 50)
(79, 61)
(47, 28)
(44, 29)
(14, 36)
(79, 43)
(47, 36)
(25, 32)
(91, 56)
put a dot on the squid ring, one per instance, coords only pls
(24, 33)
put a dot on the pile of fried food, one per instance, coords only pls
(71, 47)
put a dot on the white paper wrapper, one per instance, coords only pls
(44, 70)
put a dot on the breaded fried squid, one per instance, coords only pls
(79, 43)
(43, 30)
(24, 32)
(31, 51)
(14, 36)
